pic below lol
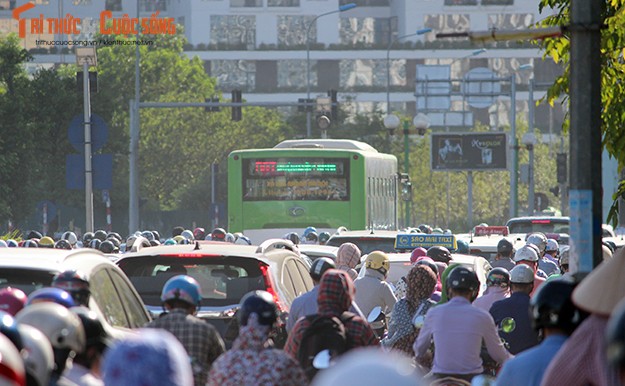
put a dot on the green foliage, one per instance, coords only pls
(612, 75)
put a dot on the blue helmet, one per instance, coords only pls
(51, 294)
(309, 230)
(8, 327)
(184, 288)
(262, 304)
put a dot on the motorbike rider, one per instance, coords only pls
(458, 329)
(528, 255)
(544, 264)
(372, 289)
(181, 298)
(498, 288)
(516, 307)
(555, 317)
(505, 251)
(252, 361)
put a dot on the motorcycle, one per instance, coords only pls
(377, 321)
(491, 367)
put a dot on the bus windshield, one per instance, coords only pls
(302, 179)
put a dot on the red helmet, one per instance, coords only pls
(12, 300)
(416, 253)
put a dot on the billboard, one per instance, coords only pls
(469, 151)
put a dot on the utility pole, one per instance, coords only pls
(585, 147)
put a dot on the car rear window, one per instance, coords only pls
(27, 280)
(223, 280)
(539, 225)
(366, 244)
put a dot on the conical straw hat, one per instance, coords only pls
(604, 287)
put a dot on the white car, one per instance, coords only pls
(113, 297)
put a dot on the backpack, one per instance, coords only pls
(324, 333)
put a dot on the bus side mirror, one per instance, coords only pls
(406, 191)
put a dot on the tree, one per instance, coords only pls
(612, 78)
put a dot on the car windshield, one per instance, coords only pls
(223, 280)
(544, 226)
(27, 280)
(366, 244)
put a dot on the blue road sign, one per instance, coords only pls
(76, 133)
(102, 171)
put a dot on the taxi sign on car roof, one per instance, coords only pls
(415, 240)
(491, 230)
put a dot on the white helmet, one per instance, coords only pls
(552, 245)
(37, 354)
(521, 274)
(527, 253)
(539, 240)
(70, 237)
(187, 234)
(62, 327)
(230, 238)
(12, 370)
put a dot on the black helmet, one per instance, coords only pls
(157, 236)
(551, 306)
(462, 278)
(107, 246)
(94, 331)
(428, 263)
(34, 235)
(75, 283)
(62, 244)
(218, 234)
(95, 243)
(424, 228)
(438, 253)
(100, 235)
(148, 235)
(498, 277)
(114, 235)
(615, 336)
(319, 266)
(86, 238)
(114, 240)
(505, 246)
(293, 236)
(262, 304)
(312, 237)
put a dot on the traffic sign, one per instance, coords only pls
(76, 133)
(102, 171)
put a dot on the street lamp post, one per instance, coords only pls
(388, 63)
(342, 8)
(86, 56)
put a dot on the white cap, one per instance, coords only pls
(522, 274)
(526, 252)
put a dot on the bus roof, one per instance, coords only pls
(346, 144)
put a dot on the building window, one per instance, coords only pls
(233, 31)
(367, 3)
(292, 30)
(113, 5)
(365, 31)
(446, 23)
(292, 74)
(510, 20)
(460, 2)
(234, 74)
(246, 3)
(81, 2)
(152, 5)
(283, 3)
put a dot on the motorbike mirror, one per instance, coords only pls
(322, 360)
(418, 321)
(374, 314)
(507, 325)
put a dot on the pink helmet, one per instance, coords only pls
(12, 300)
(416, 253)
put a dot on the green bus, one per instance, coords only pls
(324, 183)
